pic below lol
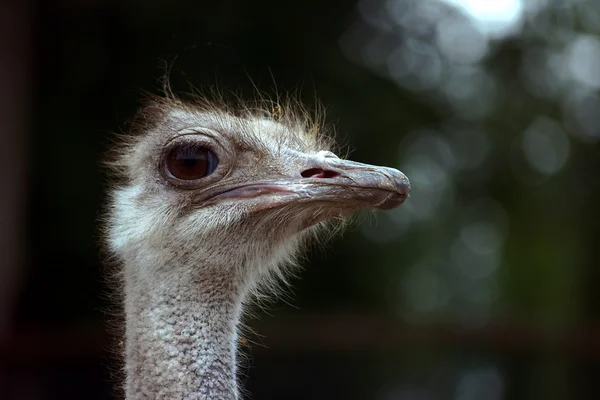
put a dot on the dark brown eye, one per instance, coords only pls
(191, 162)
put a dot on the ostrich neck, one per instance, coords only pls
(180, 334)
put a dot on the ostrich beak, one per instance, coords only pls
(343, 183)
(350, 182)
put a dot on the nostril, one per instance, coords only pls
(319, 173)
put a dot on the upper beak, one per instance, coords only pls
(328, 179)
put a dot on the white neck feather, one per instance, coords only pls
(181, 333)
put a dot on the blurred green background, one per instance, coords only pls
(482, 286)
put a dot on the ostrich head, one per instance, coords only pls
(212, 202)
(242, 188)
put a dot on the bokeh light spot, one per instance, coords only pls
(546, 146)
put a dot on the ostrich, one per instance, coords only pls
(211, 203)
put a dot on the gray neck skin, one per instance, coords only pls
(180, 335)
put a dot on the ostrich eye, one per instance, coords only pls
(191, 162)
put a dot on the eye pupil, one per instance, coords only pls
(191, 162)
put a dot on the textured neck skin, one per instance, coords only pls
(180, 334)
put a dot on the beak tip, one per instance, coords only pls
(402, 186)
(401, 182)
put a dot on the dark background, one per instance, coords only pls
(482, 286)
